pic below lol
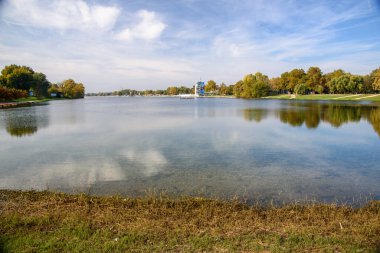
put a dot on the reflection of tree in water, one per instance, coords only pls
(338, 115)
(255, 114)
(25, 123)
(311, 114)
(374, 119)
(292, 117)
(312, 118)
(299, 114)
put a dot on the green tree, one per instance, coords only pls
(18, 77)
(314, 79)
(296, 76)
(284, 80)
(277, 85)
(375, 78)
(230, 90)
(223, 89)
(367, 85)
(301, 89)
(54, 88)
(336, 73)
(71, 89)
(210, 86)
(346, 83)
(255, 86)
(327, 78)
(40, 85)
(238, 89)
(337, 85)
(172, 90)
(356, 84)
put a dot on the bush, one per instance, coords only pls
(11, 93)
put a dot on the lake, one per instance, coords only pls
(266, 150)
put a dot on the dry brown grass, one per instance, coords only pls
(55, 222)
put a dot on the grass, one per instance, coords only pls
(55, 222)
(335, 97)
(31, 99)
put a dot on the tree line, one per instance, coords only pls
(211, 87)
(312, 81)
(296, 81)
(20, 81)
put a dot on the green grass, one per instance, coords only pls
(55, 222)
(31, 99)
(334, 97)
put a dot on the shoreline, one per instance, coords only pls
(328, 97)
(315, 97)
(23, 102)
(46, 221)
(6, 105)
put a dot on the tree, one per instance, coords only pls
(375, 77)
(332, 75)
(338, 84)
(230, 90)
(248, 82)
(40, 85)
(71, 89)
(277, 85)
(255, 86)
(346, 83)
(296, 76)
(223, 89)
(18, 77)
(356, 84)
(238, 88)
(54, 88)
(210, 86)
(301, 89)
(172, 90)
(314, 79)
(367, 85)
(284, 81)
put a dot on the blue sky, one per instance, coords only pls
(151, 44)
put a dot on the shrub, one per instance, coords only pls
(11, 93)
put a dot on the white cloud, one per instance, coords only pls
(150, 27)
(63, 14)
(70, 174)
(222, 47)
(151, 161)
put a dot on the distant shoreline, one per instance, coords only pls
(318, 97)
(314, 97)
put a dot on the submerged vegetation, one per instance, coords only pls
(56, 222)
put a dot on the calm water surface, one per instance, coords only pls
(253, 149)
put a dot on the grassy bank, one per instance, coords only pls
(21, 102)
(31, 99)
(54, 222)
(334, 97)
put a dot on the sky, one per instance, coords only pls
(153, 44)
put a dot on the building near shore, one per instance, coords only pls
(199, 89)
